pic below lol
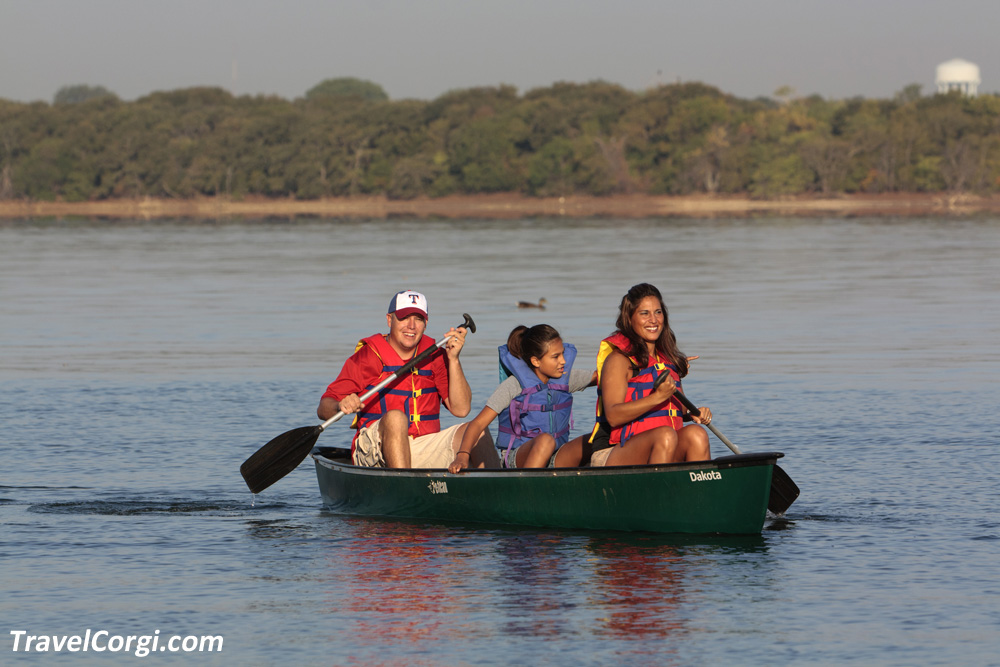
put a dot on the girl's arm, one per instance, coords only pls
(472, 434)
(614, 388)
(580, 379)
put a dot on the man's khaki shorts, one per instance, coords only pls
(434, 450)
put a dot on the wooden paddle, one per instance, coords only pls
(783, 490)
(283, 454)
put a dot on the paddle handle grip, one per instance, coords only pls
(693, 409)
(406, 368)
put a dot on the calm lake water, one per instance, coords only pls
(142, 362)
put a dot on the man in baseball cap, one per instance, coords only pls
(400, 427)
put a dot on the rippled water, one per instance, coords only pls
(141, 363)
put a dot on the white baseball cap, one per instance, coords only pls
(408, 303)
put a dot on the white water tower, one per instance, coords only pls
(960, 75)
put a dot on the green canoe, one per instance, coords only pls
(726, 495)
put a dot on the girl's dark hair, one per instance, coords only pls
(666, 344)
(525, 343)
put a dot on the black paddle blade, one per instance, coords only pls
(279, 457)
(783, 491)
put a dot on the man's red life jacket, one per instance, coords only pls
(416, 394)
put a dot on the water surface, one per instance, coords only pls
(141, 363)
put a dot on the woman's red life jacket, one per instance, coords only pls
(669, 413)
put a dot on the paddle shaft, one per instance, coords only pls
(406, 368)
(693, 409)
(697, 413)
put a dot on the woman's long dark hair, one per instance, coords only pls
(666, 344)
(525, 343)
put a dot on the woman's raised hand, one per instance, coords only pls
(664, 387)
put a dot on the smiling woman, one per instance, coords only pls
(639, 420)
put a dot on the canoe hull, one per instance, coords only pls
(727, 495)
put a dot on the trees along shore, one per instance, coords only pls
(561, 150)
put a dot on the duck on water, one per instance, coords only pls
(527, 304)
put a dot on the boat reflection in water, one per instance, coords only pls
(403, 587)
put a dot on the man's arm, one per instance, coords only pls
(459, 399)
(329, 406)
(349, 384)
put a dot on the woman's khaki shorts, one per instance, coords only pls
(600, 458)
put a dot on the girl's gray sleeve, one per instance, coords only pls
(579, 379)
(506, 392)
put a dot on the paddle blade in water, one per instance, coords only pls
(278, 457)
(783, 491)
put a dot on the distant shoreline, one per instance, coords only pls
(507, 206)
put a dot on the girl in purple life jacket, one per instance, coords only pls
(534, 400)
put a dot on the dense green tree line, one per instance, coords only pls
(346, 138)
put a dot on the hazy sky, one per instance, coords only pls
(423, 48)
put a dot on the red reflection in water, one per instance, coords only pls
(413, 586)
(639, 586)
(406, 587)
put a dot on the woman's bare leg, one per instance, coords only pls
(692, 444)
(656, 446)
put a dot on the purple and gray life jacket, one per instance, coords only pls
(539, 408)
